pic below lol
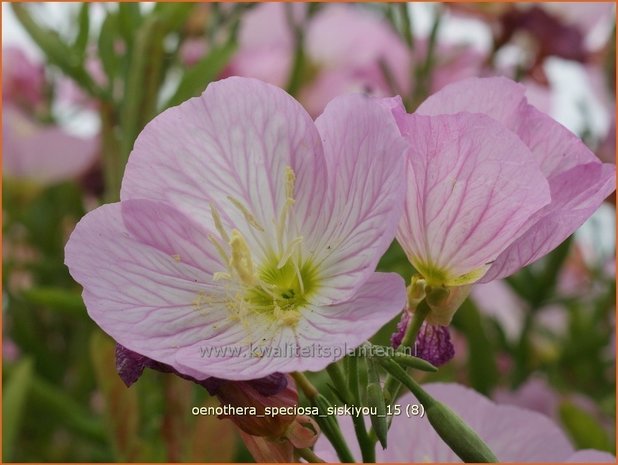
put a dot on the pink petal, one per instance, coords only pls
(269, 64)
(497, 97)
(345, 37)
(364, 153)
(472, 189)
(513, 434)
(591, 456)
(576, 194)
(23, 80)
(236, 140)
(555, 148)
(142, 294)
(349, 324)
(323, 335)
(43, 154)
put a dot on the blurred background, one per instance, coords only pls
(81, 80)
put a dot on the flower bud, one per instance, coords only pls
(250, 394)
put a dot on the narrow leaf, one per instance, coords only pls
(13, 406)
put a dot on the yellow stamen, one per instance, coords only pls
(290, 250)
(218, 224)
(247, 214)
(219, 247)
(221, 276)
(290, 181)
(241, 261)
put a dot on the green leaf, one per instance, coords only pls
(129, 21)
(482, 367)
(206, 70)
(375, 399)
(173, 14)
(13, 406)
(58, 52)
(584, 429)
(409, 361)
(50, 400)
(83, 32)
(58, 299)
(106, 46)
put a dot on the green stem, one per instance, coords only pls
(59, 53)
(353, 383)
(303, 383)
(134, 84)
(391, 385)
(406, 23)
(309, 455)
(339, 381)
(298, 66)
(328, 424)
(425, 72)
(419, 315)
(110, 153)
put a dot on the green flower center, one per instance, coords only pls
(283, 291)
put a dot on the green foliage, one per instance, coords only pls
(14, 398)
(584, 429)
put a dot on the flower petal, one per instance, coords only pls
(43, 154)
(498, 97)
(322, 336)
(555, 148)
(473, 188)
(591, 456)
(513, 434)
(231, 147)
(576, 194)
(364, 152)
(138, 292)
(349, 324)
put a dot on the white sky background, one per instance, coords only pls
(570, 86)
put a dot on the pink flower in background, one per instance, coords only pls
(246, 228)
(347, 49)
(496, 184)
(40, 152)
(44, 154)
(513, 434)
(23, 80)
(538, 395)
(192, 50)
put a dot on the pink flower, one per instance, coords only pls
(513, 434)
(495, 183)
(347, 49)
(23, 81)
(44, 154)
(247, 235)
